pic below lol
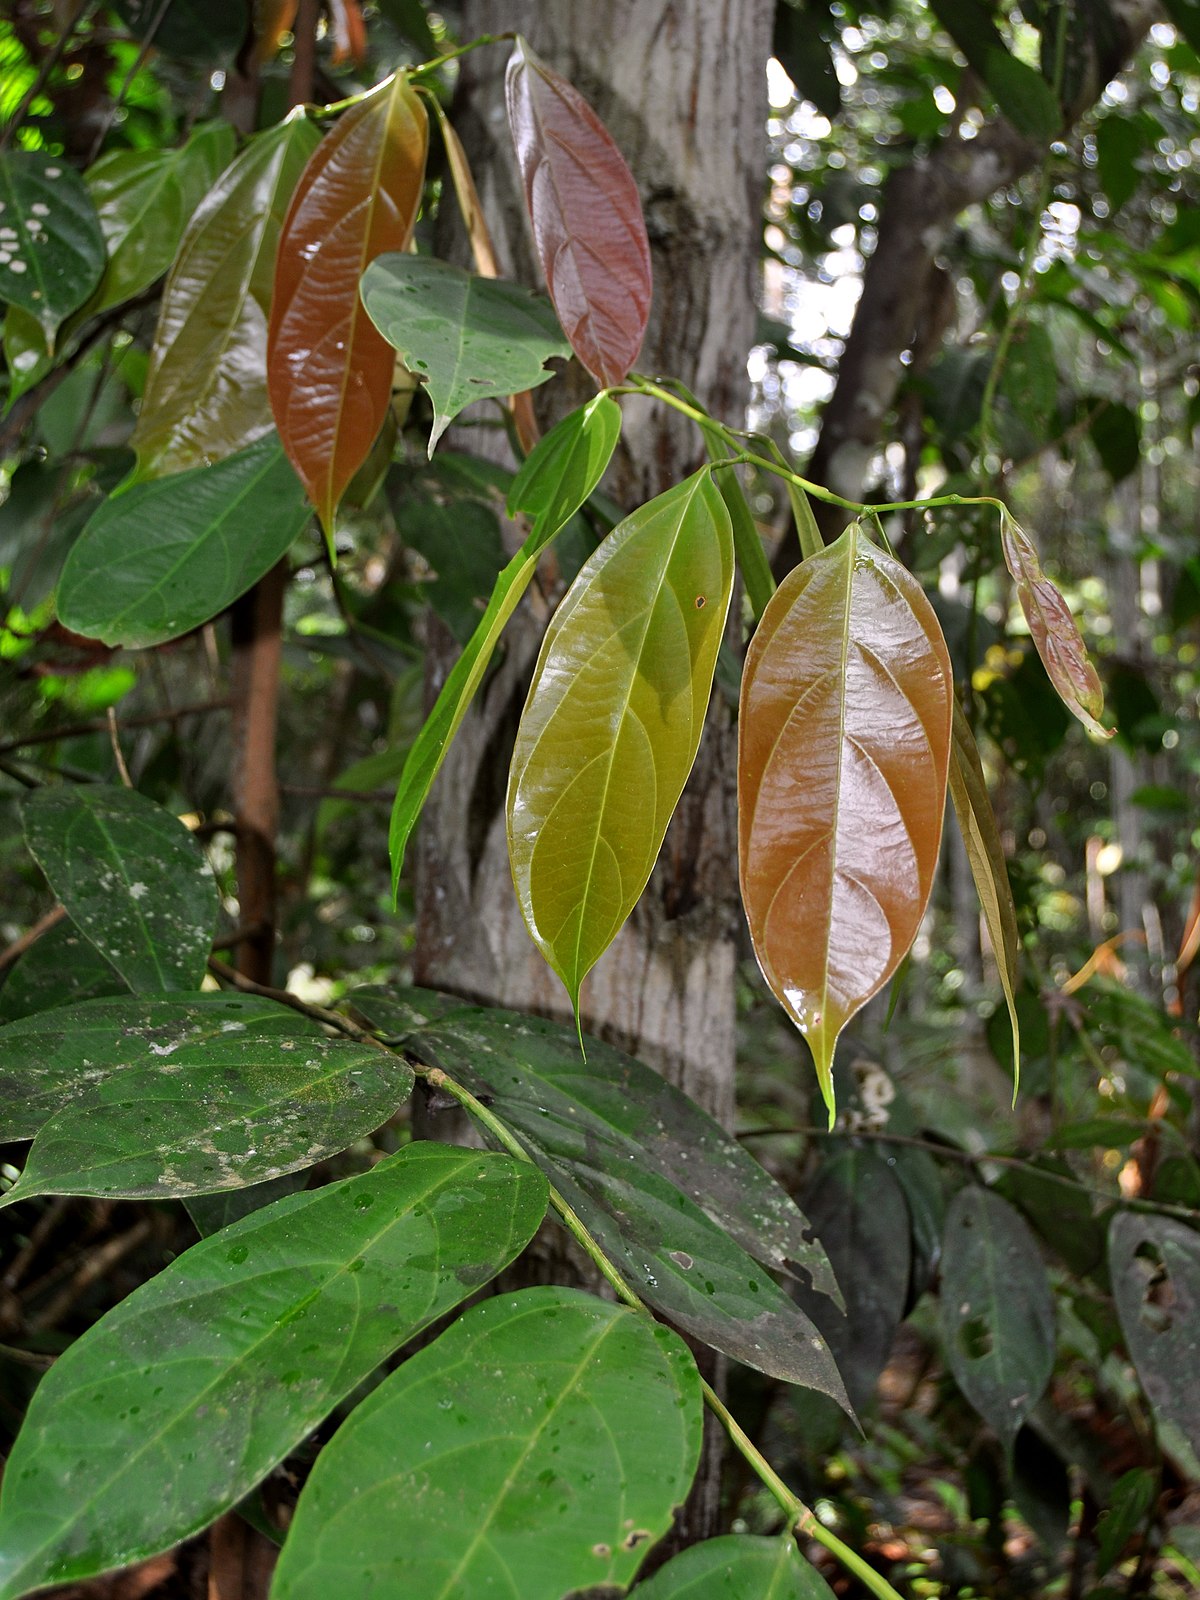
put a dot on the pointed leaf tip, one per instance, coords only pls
(588, 227)
(844, 744)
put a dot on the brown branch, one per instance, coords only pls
(19, 946)
(79, 730)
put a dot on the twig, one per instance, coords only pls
(41, 77)
(138, 63)
(19, 946)
(96, 1264)
(79, 730)
(118, 753)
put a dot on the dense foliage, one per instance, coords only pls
(231, 352)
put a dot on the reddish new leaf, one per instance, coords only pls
(329, 371)
(587, 218)
(1053, 629)
(844, 745)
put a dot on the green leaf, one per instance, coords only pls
(178, 1401)
(989, 870)
(206, 389)
(1133, 1498)
(1120, 140)
(996, 1309)
(469, 338)
(1154, 1263)
(51, 247)
(49, 1060)
(613, 722)
(638, 1196)
(738, 1567)
(163, 557)
(132, 879)
(1023, 95)
(460, 541)
(61, 966)
(234, 1111)
(538, 1447)
(563, 468)
(802, 50)
(197, 31)
(144, 200)
(27, 353)
(1116, 432)
(580, 452)
(212, 1212)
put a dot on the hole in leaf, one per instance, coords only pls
(1158, 1293)
(975, 1339)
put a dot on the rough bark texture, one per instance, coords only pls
(680, 85)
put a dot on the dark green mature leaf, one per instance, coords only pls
(1120, 140)
(460, 540)
(1133, 1498)
(1116, 432)
(238, 1110)
(588, 227)
(1185, 14)
(469, 338)
(201, 31)
(132, 879)
(164, 557)
(51, 247)
(185, 1395)
(858, 1210)
(802, 50)
(538, 1082)
(539, 1447)
(579, 448)
(62, 966)
(997, 1312)
(212, 1212)
(1023, 95)
(738, 1567)
(632, 1191)
(26, 352)
(613, 722)
(51, 1059)
(144, 200)
(843, 749)
(206, 390)
(1154, 1263)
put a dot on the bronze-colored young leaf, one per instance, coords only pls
(844, 743)
(1053, 629)
(587, 219)
(613, 721)
(206, 389)
(329, 371)
(981, 839)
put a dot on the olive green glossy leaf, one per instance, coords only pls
(165, 556)
(996, 1309)
(613, 722)
(131, 878)
(329, 371)
(673, 1232)
(179, 1400)
(981, 840)
(469, 338)
(144, 200)
(538, 1082)
(51, 247)
(1053, 629)
(51, 1059)
(550, 487)
(62, 966)
(27, 352)
(1154, 1263)
(844, 743)
(206, 389)
(238, 1110)
(588, 227)
(539, 1447)
(738, 1567)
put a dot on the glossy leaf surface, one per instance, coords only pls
(613, 722)
(843, 748)
(26, 352)
(62, 966)
(165, 556)
(329, 371)
(51, 247)
(588, 228)
(634, 1191)
(469, 338)
(1053, 629)
(51, 1059)
(267, 1327)
(237, 1110)
(552, 488)
(1155, 1267)
(132, 879)
(738, 1567)
(144, 200)
(985, 853)
(996, 1310)
(206, 389)
(581, 1441)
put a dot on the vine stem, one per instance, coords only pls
(336, 107)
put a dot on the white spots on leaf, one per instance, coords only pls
(54, 172)
(39, 210)
(16, 266)
(137, 891)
